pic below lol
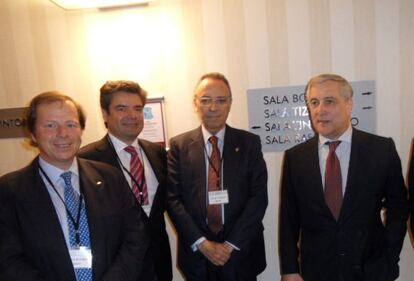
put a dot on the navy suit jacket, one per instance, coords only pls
(358, 246)
(245, 179)
(159, 252)
(32, 244)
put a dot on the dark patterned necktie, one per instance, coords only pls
(214, 219)
(333, 180)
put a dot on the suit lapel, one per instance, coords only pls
(154, 161)
(158, 169)
(42, 214)
(352, 191)
(198, 168)
(108, 152)
(232, 152)
(89, 182)
(314, 177)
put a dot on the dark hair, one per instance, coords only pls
(216, 76)
(48, 98)
(112, 87)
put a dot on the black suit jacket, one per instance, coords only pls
(159, 245)
(358, 246)
(410, 181)
(245, 178)
(32, 244)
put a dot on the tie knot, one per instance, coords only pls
(131, 150)
(332, 145)
(66, 176)
(213, 140)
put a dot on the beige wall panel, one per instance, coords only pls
(214, 36)
(342, 38)
(364, 43)
(299, 49)
(406, 35)
(388, 69)
(9, 73)
(234, 26)
(320, 37)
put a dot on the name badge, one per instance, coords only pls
(81, 257)
(218, 197)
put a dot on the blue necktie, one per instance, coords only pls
(72, 204)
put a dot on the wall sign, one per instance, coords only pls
(280, 117)
(13, 123)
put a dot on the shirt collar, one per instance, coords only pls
(54, 172)
(346, 137)
(120, 145)
(207, 134)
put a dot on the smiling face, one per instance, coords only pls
(212, 102)
(330, 110)
(125, 118)
(57, 133)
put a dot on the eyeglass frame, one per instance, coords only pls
(208, 101)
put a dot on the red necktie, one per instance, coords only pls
(214, 211)
(137, 171)
(333, 180)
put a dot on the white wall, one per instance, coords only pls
(167, 45)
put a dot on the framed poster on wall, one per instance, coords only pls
(155, 129)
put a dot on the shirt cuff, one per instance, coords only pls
(234, 246)
(197, 242)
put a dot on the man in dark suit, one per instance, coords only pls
(334, 189)
(122, 104)
(63, 218)
(217, 203)
(410, 181)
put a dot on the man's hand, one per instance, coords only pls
(291, 277)
(216, 253)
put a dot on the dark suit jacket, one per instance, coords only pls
(159, 244)
(410, 180)
(32, 244)
(358, 246)
(245, 178)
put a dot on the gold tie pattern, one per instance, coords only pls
(214, 211)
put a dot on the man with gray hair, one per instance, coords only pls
(217, 192)
(334, 188)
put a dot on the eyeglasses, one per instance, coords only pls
(207, 101)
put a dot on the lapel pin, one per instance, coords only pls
(237, 149)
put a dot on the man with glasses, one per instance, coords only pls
(217, 193)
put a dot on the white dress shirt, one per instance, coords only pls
(54, 175)
(125, 158)
(343, 152)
